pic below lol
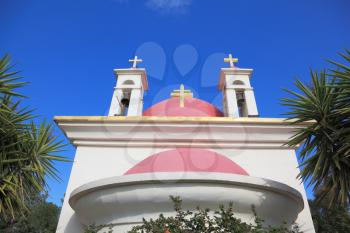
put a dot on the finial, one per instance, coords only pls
(182, 93)
(134, 62)
(231, 60)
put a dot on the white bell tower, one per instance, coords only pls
(128, 93)
(237, 93)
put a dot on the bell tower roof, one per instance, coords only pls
(133, 72)
(233, 71)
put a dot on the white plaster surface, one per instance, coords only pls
(109, 151)
(125, 200)
(133, 81)
(229, 87)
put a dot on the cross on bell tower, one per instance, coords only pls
(135, 61)
(238, 98)
(231, 60)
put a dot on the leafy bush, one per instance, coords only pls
(335, 218)
(200, 221)
(42, 217)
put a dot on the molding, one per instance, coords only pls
(189, 177)
(127, 199)
(185, 143)
(134, 71)
(202, 132)
(130, 71)
(232, 71)
(179, 119)
(228, 71)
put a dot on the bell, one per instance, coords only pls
(240, 96)
(125, 102)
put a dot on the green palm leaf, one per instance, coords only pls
(325, 151)
(27, 151)
(8, 79)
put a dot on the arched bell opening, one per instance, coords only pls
(124, 102)
(241, 103)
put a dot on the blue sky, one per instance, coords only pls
(68, 49)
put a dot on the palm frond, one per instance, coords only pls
(27, 151)
(9, 80)
(324, 161)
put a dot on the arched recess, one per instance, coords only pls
(238, 82)
(128, 82)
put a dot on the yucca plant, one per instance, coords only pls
(27, 151)
(9, 80)
(342, 75)
(325, 141)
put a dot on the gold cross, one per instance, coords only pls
(231, 60)
(135, 61)
(182, 93)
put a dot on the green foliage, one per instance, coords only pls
(199, 221)
(8, 78)
(27, 151)
(96, 228)
(335, 219)
(325, 141)
(42, 218)
(342, 75)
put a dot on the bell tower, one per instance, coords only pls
(128, 93)
(237, 93)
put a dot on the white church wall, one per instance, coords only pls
(94, 163)
(279, 165)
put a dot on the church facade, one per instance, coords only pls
(128, 163)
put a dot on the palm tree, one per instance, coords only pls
(27, 151)
(325, 151)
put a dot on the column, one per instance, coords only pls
(135, 101)
(115, 108)
(231, 103)
(251, 103)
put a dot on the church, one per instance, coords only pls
(128, 163)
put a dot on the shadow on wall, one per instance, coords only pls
(73, 225)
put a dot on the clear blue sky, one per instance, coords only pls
(67, 49)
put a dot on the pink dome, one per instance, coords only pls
(193, 107)
(187, 160)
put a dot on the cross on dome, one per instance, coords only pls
(135, 61)
(231, 60)
(182, 93)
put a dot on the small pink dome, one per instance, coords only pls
(187, 160)
(193, 107)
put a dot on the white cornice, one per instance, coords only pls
(134, 71)
(205, 132)
(232, 71)
(177, 119)
(237, 71)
